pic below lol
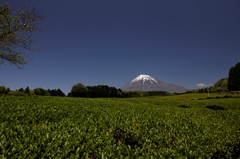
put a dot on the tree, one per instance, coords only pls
(16, 28)
(56, 92)
(79, 90)
(41, 91)
(99, 91)
(21, 90)
(4, 90)
(60, 93)
(234, 78)
(113, 92)
(27, 90)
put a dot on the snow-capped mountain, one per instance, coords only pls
(144, 78)
(148, 83)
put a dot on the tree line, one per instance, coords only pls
(80, 90)
(102, 91)
(28, 91)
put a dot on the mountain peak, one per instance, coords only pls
(147, 83)
(144, 78)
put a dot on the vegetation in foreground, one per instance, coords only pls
(190, 125)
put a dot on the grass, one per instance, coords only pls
(179, 126)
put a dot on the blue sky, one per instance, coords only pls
(110, 42)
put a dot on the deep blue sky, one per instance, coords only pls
(111, 42)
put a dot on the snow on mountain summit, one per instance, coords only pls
(146, 83)
(144, 78)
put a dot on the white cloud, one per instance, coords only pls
(203, 85)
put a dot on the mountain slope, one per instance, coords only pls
(147, 83)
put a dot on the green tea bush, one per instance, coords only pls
(148, 127)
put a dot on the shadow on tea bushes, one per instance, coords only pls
(125, 137)
(184, 106)
(215, 107)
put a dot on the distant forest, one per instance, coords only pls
(28, 91)
(79, 90)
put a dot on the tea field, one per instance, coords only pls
(180, 126)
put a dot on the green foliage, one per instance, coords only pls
(98, 91)
(56, 92)
(103, 91)
(16, 93)
(4, 90)
(36, 91)
(147, 127)
(16, 28)
(27, 91)
(41, 91)
(78, 90)
(234, 78)
(21, 90)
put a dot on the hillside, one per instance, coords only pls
(220, 86)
